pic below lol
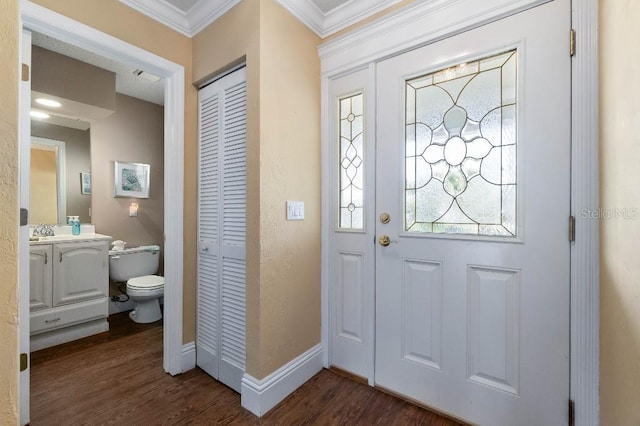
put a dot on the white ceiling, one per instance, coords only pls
(324, 17)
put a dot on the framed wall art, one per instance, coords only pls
(131, 180)
(85, 183)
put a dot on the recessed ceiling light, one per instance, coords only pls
(39, 114)
(48, 102)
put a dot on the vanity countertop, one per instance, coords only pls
(68, 238)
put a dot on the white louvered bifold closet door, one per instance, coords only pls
(222, 191)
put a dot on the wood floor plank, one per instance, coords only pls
(116, 378)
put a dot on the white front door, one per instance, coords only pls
(473, 162)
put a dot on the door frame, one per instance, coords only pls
(422, 23)
(37, 18)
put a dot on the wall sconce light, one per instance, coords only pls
(133, 210)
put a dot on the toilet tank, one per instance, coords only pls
(133, 262)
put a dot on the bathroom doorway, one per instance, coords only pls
(58, 27)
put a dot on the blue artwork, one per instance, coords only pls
(130, 180)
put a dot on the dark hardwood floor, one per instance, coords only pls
(117, 378)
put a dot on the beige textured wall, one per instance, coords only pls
(214, 49)
(77, 145)
(290, 170)
(120, 21)
(134, 133)
(43, 187)
(619, 266)
(283, 161)
(9, 211)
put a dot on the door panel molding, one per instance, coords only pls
(422, 23)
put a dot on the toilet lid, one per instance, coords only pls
(147, 282)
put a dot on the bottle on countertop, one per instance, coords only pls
(74, 221)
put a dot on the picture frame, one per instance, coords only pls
(85, 183)
(131, 179)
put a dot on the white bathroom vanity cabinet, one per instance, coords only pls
(69, 288)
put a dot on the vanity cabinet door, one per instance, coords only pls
(40, 277)
(81, 271)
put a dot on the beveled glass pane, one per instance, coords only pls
(482, 94)
(423, 138)
(455, 72)
(455, 86)
(461, 150)
(431, 104)
(491, 126)
(509, 81)
(411, 99)
(351, 162)
(431, 202)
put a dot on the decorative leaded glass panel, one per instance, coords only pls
(351, 162)
(460, 149)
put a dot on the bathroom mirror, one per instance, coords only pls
(59, 155)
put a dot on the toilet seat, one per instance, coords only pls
(146, 283)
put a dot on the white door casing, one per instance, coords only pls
(24, 143)
(478, 327)
(221, 313)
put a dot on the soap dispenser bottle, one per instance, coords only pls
(75, 225)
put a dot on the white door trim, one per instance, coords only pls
(47, 22)
(585, 268)
(426, 22)
(24, 134)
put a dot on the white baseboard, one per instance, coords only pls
(259, 396)
(188, 356)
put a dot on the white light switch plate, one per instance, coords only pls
(295, 210)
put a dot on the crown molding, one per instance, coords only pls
(353, 12)
(325, 24)
(162, 12)
(187, 23)
(205, 12)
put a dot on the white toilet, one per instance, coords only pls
(135, 266)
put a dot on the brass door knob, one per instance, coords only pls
(384, 240)
(385, 218)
